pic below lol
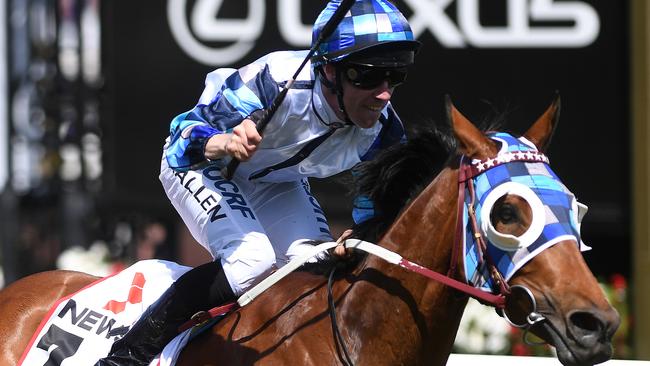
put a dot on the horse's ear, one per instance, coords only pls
(471, 141)
(541, 132)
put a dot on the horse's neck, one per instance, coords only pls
(424, 233)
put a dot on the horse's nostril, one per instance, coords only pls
(587, 322)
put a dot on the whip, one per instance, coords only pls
(228, 171)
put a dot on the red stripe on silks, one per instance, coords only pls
(498, 301)
(134, 297)
(115, 307)
(139, 280)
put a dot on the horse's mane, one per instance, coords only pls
(390, 180)
(398, 174)
(395, 177)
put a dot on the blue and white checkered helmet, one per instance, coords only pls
(368, 24)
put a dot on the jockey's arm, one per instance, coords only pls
(240, 144)
(222, 122)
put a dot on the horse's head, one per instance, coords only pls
(531, 225)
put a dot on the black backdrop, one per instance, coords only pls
(150, 79)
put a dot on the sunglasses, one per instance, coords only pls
(364, 77)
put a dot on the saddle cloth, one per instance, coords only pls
(79, 329)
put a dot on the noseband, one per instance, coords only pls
(532, 318)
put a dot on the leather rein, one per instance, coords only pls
(467, 171)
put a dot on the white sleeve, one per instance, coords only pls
(213, 83)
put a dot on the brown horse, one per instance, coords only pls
(386, 315)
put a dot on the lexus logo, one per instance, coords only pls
(195, 26)
(192, 31)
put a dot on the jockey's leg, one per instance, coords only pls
(218, 215)
(195, 290)
(291, 216)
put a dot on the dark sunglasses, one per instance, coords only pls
(364, 77)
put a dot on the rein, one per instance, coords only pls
(339, 343)
(467, 171)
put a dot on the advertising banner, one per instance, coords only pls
(501, 58)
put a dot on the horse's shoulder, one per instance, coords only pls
(290, 297)
(293, 305)
(296, 287)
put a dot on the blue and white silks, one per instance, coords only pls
(232, 95)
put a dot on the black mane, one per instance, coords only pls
(401, 172)
(398, 174)
(393, 178)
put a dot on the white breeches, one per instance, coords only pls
(249, 226)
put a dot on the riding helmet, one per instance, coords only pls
(373, 33)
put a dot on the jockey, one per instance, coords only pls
(336, 114)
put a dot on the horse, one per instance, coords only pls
(385, 315)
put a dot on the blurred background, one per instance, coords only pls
(88, 88)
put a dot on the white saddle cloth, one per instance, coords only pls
(80, 328)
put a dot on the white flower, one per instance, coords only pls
(92, 261)
(481, 330)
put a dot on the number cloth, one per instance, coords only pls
(80, 328)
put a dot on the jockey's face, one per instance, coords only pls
(362, 104)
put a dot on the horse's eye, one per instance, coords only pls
(506, 214)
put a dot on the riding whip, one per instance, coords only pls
(228, 171)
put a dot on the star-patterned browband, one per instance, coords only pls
(480, 166)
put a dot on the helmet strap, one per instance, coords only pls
(328, 84)
(336, 88)
(339, 96)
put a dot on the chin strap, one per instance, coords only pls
(336, 89)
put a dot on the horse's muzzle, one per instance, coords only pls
(588, 336)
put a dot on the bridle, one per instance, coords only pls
(466, 173)
(468, 170)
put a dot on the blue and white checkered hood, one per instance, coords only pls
(556, 212)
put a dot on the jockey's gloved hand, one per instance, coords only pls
(340, 250)
(241, 143)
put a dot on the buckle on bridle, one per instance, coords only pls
(533, 316)
(531, 319)
(201, 317)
